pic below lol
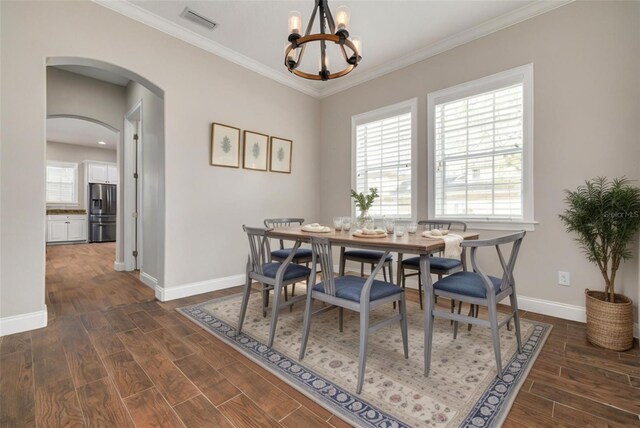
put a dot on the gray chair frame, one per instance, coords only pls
(271, 223)
(322, 253)
(507, 289)
(260, 253)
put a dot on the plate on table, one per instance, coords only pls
(316, 228)
(359, 234)
(429, 234)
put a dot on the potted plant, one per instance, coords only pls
(364, 203)
(605, 215)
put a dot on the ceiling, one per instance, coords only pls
(395, 33)
(81, 132)
(96, 73)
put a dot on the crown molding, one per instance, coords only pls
(522, 14)
(143, 16)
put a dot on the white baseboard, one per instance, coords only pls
(149, 281)
(119, 266)
(24, 322)
(180, 291)
(551, 308)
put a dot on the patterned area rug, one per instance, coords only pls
(462, 389)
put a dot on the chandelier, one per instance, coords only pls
(337, 34)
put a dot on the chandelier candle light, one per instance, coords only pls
(351, 49)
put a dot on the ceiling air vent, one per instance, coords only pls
(193, 16)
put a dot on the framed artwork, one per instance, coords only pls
(225, 145)
(255, 151)
(280, 155)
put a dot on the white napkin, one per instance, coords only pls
(315, 227)
(452, 248)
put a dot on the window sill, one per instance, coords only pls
(476, 224)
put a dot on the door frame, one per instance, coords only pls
(132, 125)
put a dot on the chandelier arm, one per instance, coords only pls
(313, 18)
(344, 53)
(332, 24)
(300, 55)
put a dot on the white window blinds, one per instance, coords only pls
(62, 183)
(479, 155)
(383, 157)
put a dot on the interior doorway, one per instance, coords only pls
(133, 138)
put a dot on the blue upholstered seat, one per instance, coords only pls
(293, 271)
(350, 287)
(374, 256)
(300, 253)
(439, 263)
(467, 284)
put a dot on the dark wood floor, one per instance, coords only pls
(112, 356)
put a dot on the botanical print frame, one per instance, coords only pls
(255, 151)
(225, 145)
(281, 151)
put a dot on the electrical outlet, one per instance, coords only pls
(564, 278)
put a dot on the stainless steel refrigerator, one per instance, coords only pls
(102, 212)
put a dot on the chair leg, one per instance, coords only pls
(495, 336)
(384, 273)
(455, 324)
(293, 288)
(341, 318)
(403, 325)
(391, 272)
(245, 302)
(277, 290)
(307, 324)
(472, 313)
(420, 291)
(428, 337)
(516, 320)
(265, 301)
(361, 269)
(453, 308)
(362, 359)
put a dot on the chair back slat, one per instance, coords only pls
(259, 248)
(272, 223)
(443, 224)
(322, 254)
(507, 267)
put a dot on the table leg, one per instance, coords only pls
(399, 275)
(342, 262)
(425, 269)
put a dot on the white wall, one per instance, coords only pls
(587, 105)
(152, 174)
(76, 153)
(205, 205)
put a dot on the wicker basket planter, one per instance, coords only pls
(609, 325)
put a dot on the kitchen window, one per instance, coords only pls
(62, 183)
(481, 151)
(384, 145)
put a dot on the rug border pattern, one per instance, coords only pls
(490, 410)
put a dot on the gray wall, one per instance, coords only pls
(205, 206)
(586, 60)
(63, 152)
(152, 177)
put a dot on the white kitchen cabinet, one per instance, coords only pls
(66, 228)
(105, 173)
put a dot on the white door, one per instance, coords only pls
(112, 174)
(56, 231)
(77, 230)
(98, 173)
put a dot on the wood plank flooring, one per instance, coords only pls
(113, 356)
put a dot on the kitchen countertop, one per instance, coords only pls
(66, 212)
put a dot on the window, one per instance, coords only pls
(383, 143)
(62, 183)
(480, 149)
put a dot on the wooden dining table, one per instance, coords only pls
(407, 244)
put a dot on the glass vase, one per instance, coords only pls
(365, 221)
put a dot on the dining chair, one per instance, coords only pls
(302, 255)
(368, 257)
(271, 275)
(352, 293)
(439, 265)
(478, 288)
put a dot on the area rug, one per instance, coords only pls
(462, 389)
